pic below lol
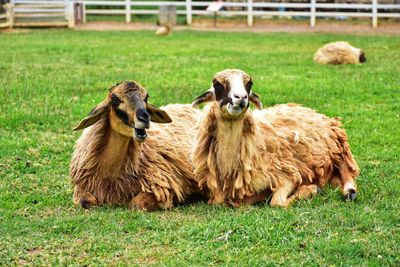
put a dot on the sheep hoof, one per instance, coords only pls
(350, 195)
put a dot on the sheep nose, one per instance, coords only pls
(240, 97)
(143, 116)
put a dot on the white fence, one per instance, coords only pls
(41, 13)
(311, 10)
(6, 18)
(61, 12)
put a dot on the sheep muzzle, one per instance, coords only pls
(142, 122)
(140, 134)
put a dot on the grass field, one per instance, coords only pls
(50, 79)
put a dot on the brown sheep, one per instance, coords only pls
(112, 162)
(339, 53)
(241, 156)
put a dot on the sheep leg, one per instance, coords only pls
(144, 201)
(280, 198)
(304, 192)
(87, 200)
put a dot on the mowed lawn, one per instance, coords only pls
(50, 79)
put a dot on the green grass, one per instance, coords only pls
(50, 79)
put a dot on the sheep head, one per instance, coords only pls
(232, 89)
(361, 57)
(128, 110)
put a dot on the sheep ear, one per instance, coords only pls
(157, 114)
(93, 116)
(253, 98)
(207, 96)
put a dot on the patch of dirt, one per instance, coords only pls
(17, 30)
(33, 251)
(302, 26)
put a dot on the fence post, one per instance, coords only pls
(312, 12)
(83, 12)
(66, 9)
(189, 12)
(70, 14)
(250, 12)
(11, 13)
(374, 13)
(127, 11)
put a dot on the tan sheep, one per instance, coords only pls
(241, 156)
(112, 162)
(339, 53)
(164, 29)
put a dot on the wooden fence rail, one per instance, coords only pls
(312, 10)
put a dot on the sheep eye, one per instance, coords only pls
(115, 101)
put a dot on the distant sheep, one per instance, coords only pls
(112, 162)
(241, 156)
(339, 53)
(164, 29)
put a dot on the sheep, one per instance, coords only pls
(339, 53)
(289, 151)
(164, 30)
(113, 164)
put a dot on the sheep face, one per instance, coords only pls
(128, 110)
(231, 88)
(362, 57)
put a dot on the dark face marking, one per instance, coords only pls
(248, 86)
(362, 57)
(122, 115)
(221, 92)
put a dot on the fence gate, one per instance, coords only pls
(37, 13)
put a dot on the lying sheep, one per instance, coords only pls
(241, 156)
(112, 164)
(164, 29)
(339, 53)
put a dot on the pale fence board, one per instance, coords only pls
(36, 10)
(39, 15)
(43, 24)
(42, 13)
